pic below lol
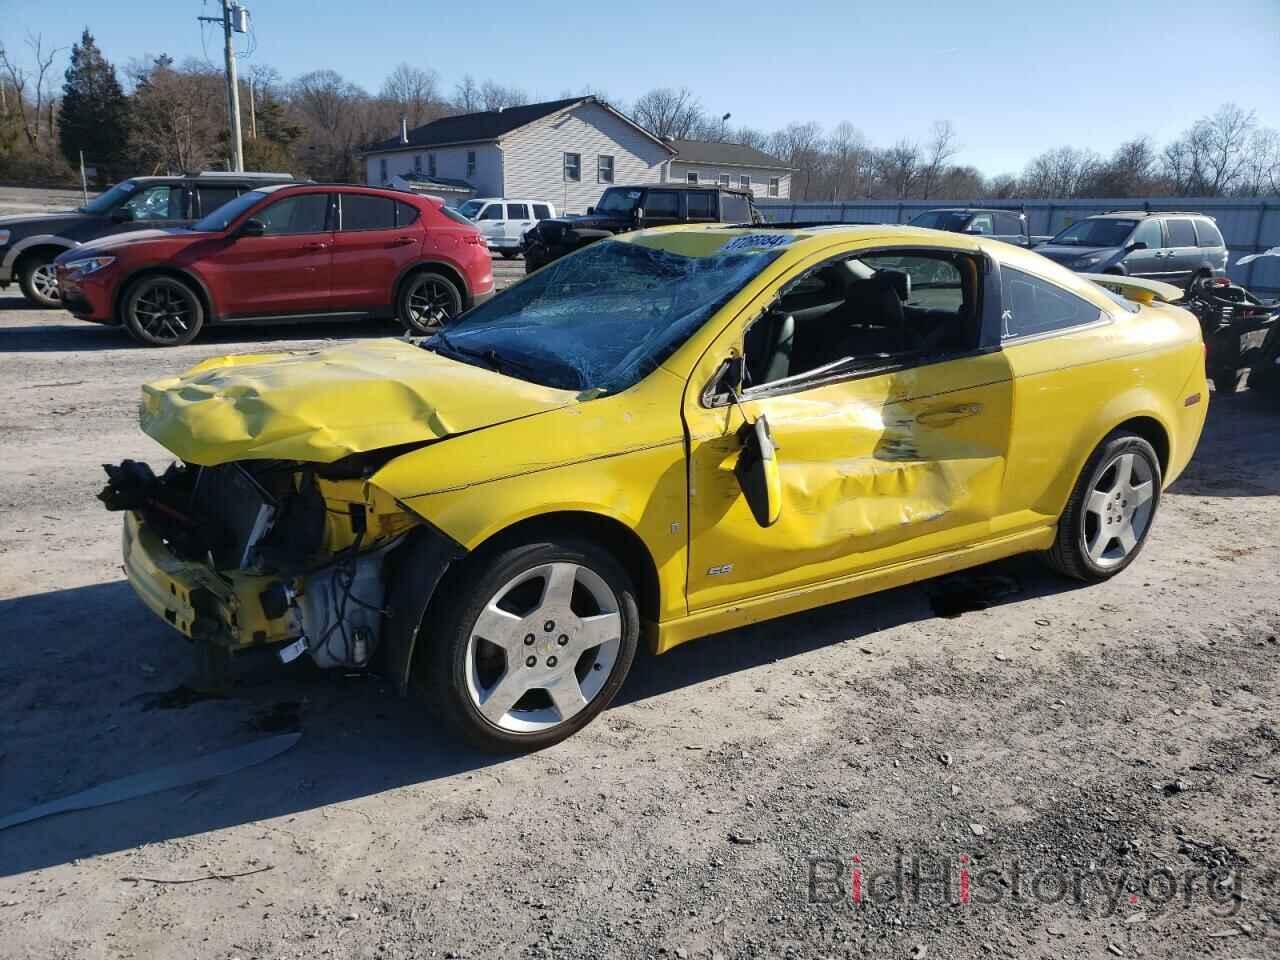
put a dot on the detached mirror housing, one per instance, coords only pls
(757, 472)
(252, 228)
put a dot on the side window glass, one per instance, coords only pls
(361, 211)
(161, 202)
(302, 214)
(517, 211)
(211, 198)
(1181, 233)
(1208, 234)
(980, 224)
(662, 203)
(1009, 224)
(1032, 306)
(406, 213)
(701, 205)
(492, 212)
(1148, 232)
(541, 211)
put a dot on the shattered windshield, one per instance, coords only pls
(602, 318)
(106, 202)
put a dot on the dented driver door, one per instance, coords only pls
(875, 470)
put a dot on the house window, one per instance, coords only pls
(382, 170)
(573, 167)
(417, 163)
(774, 184)
(431, 165)
(471, 163)
(604, 168)
(724, 179)
(691, 176)
(744, 182)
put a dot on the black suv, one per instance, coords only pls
(633, 208)
(1178, 248)
(29, 242)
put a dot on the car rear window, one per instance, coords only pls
(456, 217)
(406, 213)
(1208, 234)
(541, 211)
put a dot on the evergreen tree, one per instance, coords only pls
(95, 113)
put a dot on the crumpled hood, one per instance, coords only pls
(320, 406)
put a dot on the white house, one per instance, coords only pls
(564, 151)
(729, 165)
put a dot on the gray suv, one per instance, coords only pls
(1178, 248)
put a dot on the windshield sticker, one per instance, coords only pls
(761, 241)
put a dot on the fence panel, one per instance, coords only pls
(1247, 225)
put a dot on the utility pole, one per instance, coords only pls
(253, 116)
(235, 18)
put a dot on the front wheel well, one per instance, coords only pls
(50, 250)
(1152, 431)
(620, 540)
(122, 290)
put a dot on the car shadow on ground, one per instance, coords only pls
(1239, 451)
(95, 695)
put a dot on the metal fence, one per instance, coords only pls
(1248, 225)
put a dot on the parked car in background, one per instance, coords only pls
(30, 242)
(1178, 248)
(1007, 225)
(503, 221)
(668, 434)
(280, 254)
(622, 209)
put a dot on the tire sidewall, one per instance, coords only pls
(1106, 453)
(26, 268)
(474, 588)
(402, 301)
(137, 289)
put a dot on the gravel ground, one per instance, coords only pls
(1101, 763)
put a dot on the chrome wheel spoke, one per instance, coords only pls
(1141, 493)
(1127, 539)
(566, 694)
(500, 628)
(1097, 502)
(557, 592)
(598, 630)
(503, 696)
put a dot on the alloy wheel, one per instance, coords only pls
(543, 647)
(44, 281)
(1118, 510)
(429, 303)
(164, 312)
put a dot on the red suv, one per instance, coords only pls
(284, 253)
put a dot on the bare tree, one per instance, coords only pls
(1130, 171)
(466, 95)
(31, 106)
(849, 168)
(416, 92)
(1061, 172)
(1261, 173)
(938, 151)
(800, 145)
(173, 128)
(1227, 138)
(668, 113)
(899, 168)
(339, 119)
(494, 96)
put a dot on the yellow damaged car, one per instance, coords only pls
(664, 435)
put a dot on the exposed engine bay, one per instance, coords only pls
(306, 546)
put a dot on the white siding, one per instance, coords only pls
(709, 173)
(451, 162)
(533, 157)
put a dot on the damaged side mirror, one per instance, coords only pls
(757, 472)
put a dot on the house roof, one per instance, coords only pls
(490, 125)
(724, 154)
(420, 183)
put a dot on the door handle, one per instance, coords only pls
(945, 416)
(402, 241)
(317, 245)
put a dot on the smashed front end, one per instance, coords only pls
(258, 552)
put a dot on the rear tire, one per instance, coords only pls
(1110, 512)
(426, 302)
(162, 311)
(37, 279)
(529, 644)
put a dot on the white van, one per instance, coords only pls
(503, 222)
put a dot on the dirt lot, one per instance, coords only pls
(1102, 763)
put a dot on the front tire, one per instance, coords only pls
(1109, 515)
(533, 642)
(38, 280)
(426, 302)
(162, 312)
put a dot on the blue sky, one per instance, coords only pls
(1014, 78)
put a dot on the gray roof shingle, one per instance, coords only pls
(730, 154)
